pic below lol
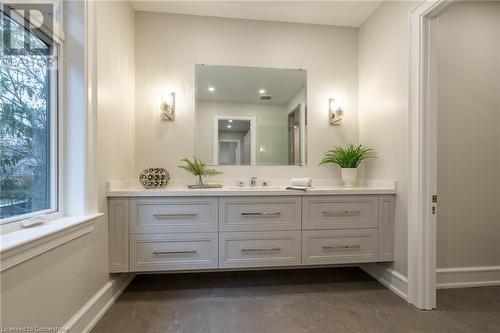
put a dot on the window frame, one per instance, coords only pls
(56, 132)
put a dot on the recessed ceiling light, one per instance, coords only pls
(228, 126)
(262, 91)
(211, 89)
(230, 120)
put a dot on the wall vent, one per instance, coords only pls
(266, 97)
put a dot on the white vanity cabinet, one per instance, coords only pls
(118, 231)
(259, 213)
(173, 251)
(347, 229)
(259, 249)
(339, 246)
(259, 231)
(156, 233)
(173, 215)
(340, 212)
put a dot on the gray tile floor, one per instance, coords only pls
(306, 300)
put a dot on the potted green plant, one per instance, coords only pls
(200, 170)
(348, 159)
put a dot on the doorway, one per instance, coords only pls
(294, 137)
(468, 144)
(234, 140)
(229, 152)
(426, 147)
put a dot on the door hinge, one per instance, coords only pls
(434, 198)
(434, 210)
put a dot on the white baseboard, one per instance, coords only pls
(88, 316)
(394, 281)
(462, 277)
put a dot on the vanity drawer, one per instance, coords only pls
(339, 246)
(259, 213)
(340, 212)
(156, 215)
(159, 252)
(259, 249)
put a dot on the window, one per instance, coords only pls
(28, 119)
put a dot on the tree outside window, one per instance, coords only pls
(25, 133)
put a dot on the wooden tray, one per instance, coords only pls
(205, 186)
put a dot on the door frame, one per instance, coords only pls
(423, 156)
(301, 107)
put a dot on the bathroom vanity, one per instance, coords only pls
(177, 229)
(247, 116)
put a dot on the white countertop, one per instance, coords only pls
(130, 189)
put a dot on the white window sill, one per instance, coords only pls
(21, 245)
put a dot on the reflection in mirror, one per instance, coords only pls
(234, 138)
(250, 116)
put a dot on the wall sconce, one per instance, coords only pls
(167, 107)
(335, 115)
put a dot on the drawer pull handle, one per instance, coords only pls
(262, 249)
(261, 214)
(341, 247)
(170, 215)
(341, 213)
(174, 252)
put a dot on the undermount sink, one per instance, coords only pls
(254, 188)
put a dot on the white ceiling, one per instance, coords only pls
(236, 125)
(242, 84)
(340, 13)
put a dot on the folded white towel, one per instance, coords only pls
(299, 188)
(306, 181)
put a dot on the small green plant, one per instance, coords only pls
(350, 156)
(198, 168)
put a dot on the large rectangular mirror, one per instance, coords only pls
(251, 116)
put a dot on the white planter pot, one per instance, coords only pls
(349, 176)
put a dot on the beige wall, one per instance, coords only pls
(469, 135)
(116, 93)
(50, 288)
(168, 47)
(383, 105)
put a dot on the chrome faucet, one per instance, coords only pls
(253, 181)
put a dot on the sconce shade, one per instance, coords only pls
(331, 104)
(334, 114)
(167, 107)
